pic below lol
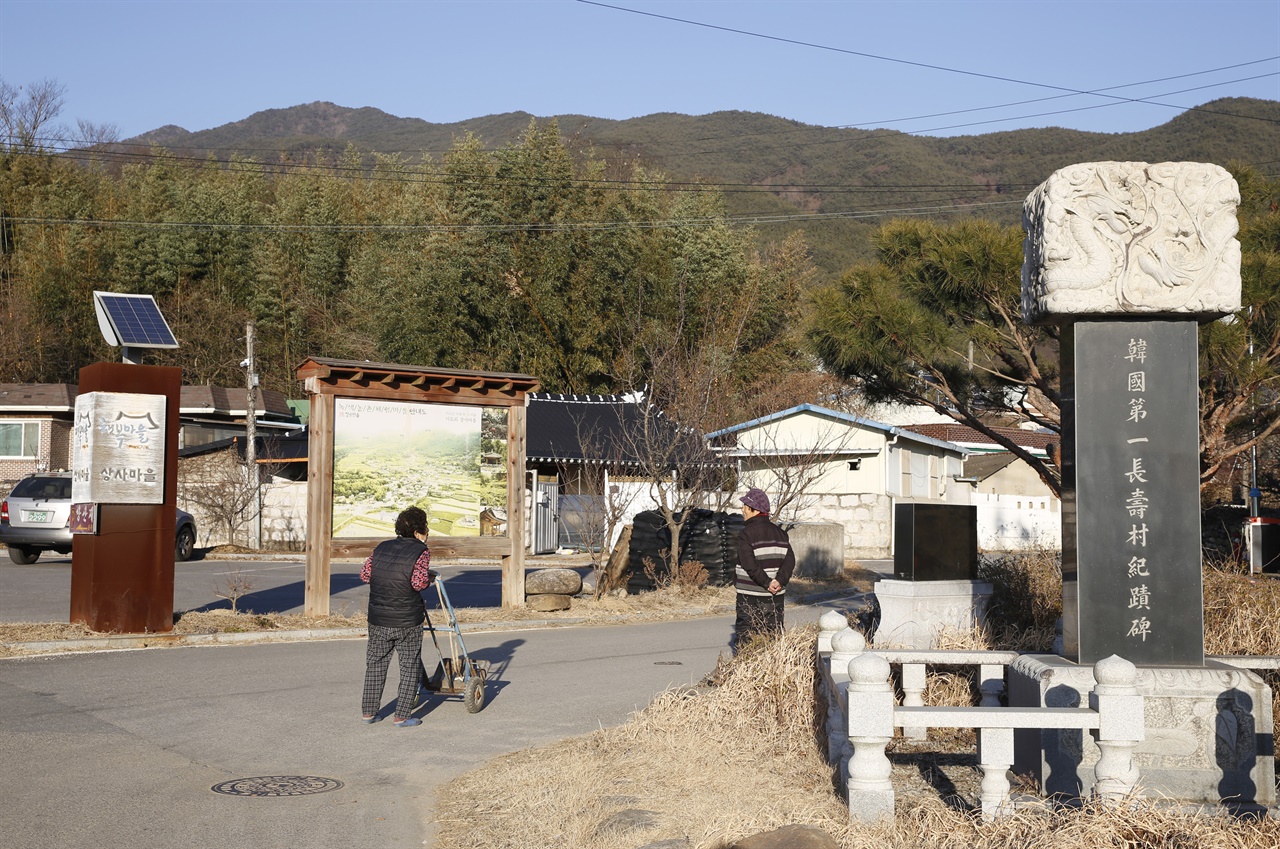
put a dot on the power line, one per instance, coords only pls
(870, 134)
(881, 123)
(865, 55)
(530, 227)
(410, 176)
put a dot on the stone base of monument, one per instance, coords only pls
(913, 614)
(1208, 732)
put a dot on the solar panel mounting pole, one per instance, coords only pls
(251, 441)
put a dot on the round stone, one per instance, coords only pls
(848, 641)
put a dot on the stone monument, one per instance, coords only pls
(935, 587)
(1128, 258)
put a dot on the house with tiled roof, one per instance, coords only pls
(585, 455)
(35, 422)
(824, 465)
(1037, 442)
(1016, 509)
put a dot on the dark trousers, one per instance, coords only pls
(757, 614)
(407, 644)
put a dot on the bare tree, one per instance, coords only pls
(91, 133)
(685, 394)
(27, 113)
(787, 466)
(223, 490)
(604, 458)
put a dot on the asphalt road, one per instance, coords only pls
(41, 592)
(122, 749)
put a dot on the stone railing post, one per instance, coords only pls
(1120, 728)
(990, 684)
(995, 756)
(913, 683)
(829, 624)
(846, 644)
(870, 730)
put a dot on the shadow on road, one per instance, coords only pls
(280, 599)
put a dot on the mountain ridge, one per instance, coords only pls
(769, 166)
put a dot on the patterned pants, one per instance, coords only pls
(407, 644)
(757, 614)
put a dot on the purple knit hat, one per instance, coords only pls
(756, 500)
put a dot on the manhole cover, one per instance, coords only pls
(277, 785)
(668, 663)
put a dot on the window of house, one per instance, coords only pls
(19, 439)
(916, 469)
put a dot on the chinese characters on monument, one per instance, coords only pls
(1131, 567)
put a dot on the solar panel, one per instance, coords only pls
(133, 321)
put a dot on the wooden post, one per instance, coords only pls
(513, 563)
(319, 503)
(361, 380)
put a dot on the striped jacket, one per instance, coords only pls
(764, 553)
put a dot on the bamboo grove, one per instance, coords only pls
(529, 259)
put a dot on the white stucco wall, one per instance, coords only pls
(859, 499)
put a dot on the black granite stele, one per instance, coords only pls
(935, 542)
(1131, 493)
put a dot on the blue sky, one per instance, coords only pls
(203, 63)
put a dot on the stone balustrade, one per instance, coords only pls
(862, 718)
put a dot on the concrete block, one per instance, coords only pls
(819, 548)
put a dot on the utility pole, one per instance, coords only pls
(251, 440)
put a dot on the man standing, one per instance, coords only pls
(765, 564)
(397, 572)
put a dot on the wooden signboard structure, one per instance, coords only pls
(348, 388)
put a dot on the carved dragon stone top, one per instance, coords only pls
(1129, 238)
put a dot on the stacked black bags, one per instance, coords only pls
(708, 537)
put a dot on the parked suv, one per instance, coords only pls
(35, 518)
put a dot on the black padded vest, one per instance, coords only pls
(393, 602)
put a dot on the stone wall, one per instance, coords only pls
(867, 519)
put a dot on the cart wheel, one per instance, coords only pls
(473, 696)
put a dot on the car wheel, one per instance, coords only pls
(185, 545)
(23, 554)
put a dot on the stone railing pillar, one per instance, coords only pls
(870, 730)
(913, 684)
(829, 624)
(1121, 718)
(995, 756)
(990, 684)
(846, 644)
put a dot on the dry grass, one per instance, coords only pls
(854, 578)
(741, 756)
(1240, 617)
(1240, 612)
(14, 634)
(1026, 602)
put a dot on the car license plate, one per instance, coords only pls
(36, 515)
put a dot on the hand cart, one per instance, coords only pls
(458, 672)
